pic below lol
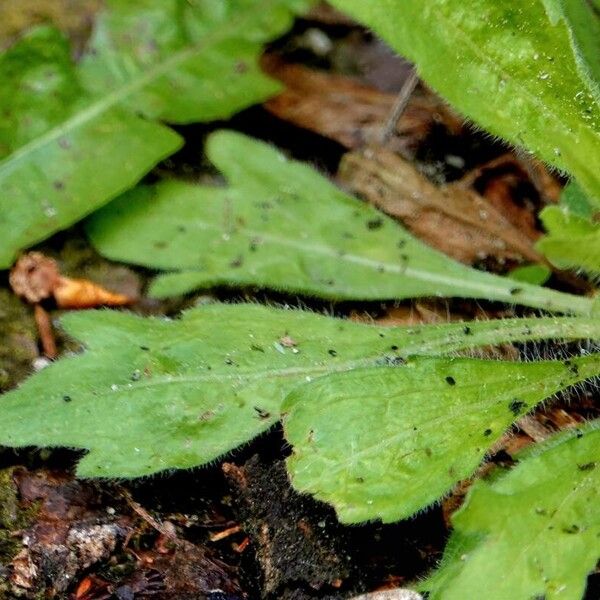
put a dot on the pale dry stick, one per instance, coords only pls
(146, 516)
(400, 104)
(221, 535)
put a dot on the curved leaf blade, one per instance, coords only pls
(506, 66)
(281, 225)
(550, 500)
(151, 394)
(386, 443)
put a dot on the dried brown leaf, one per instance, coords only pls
(350, 112)
(451, 218)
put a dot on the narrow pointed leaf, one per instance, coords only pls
(386, 443)
(280, 224)
(508, 66)
(74, 137)
(539, 523)
(151, 394)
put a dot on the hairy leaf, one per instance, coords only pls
(539, 523)
(573, 240)
(151, 394)
(583, 26)
(72, 138)
(423, 427)
(281, 225)
(508, 66)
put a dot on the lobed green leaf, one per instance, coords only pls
(573, 240)
(423, 427)
(279, 224)
(151, 394)
(550, 501)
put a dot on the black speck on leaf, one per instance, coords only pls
(237, 262)
(587, 466)
(450, 380)
(375, 224)
(67, 398)
(516, 406)
(262, 414)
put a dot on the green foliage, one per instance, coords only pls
(532, 533)
(279, 224)
(520, 72)
(535, 274)
(151, 394)
(573, 239)
(423, 427)
(74, 137)
(583, 27)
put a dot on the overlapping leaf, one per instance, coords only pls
(423, 427)
(72, 138)
(508, 66)
(151, 394)
(533, 533)
(281, 225)
(573, 240)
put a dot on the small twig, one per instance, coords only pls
(146, 516)
(44, 325)
(221, 535)
(239, 548)
(408, 87)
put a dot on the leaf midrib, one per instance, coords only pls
(245, 377)
(115, 98)
(566, 302)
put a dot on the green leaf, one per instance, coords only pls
(574, 200)
(281, 225)
(535, 274)
(72, 138)
(573, 240)
(506, 66)
(386, 443)
(539, 523)
(583, 26)
(152, 394)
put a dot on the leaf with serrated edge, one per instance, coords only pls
(281, 225)
(72, 138)
(506, 66)
(385, 443)
(539, 523)
(150, 394)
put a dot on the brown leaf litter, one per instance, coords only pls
(350, 112)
